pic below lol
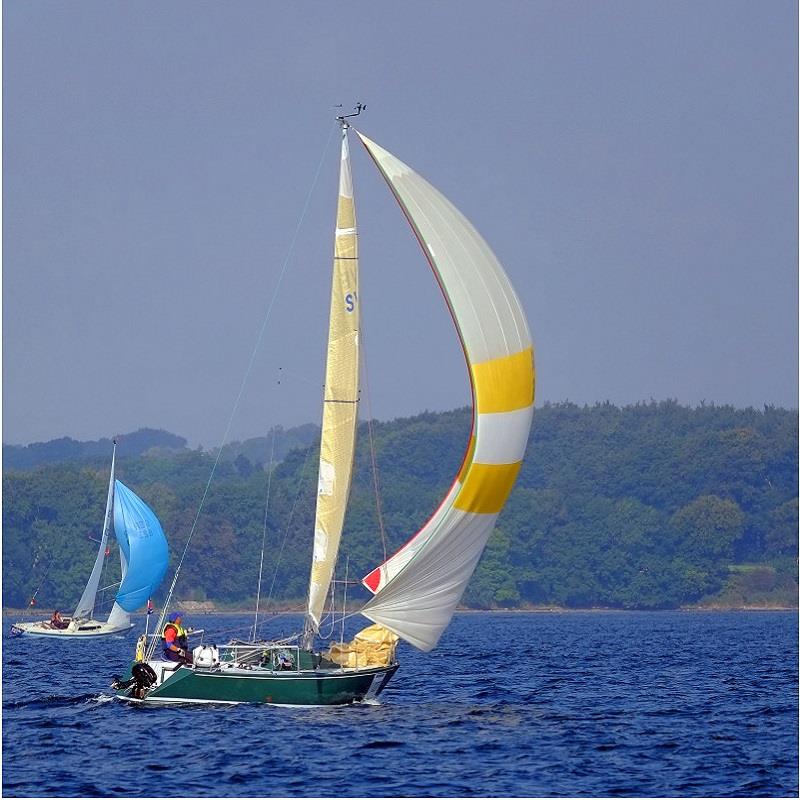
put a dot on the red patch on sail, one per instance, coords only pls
(372, 581)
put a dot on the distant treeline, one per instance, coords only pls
(259, 451)
(654, 505)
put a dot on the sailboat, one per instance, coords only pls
(143, 553)
(416, 591)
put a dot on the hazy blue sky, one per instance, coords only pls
(633, 165)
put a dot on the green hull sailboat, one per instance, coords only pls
(415, 591)
(235, 674)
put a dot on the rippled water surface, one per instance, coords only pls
(653, 704)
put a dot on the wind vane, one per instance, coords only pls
(359, 107)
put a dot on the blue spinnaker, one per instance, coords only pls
(144, 545)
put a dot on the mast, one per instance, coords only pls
(340, 402)
(85, 608)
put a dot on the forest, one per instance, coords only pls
(650, 506)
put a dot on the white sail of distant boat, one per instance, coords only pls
(416, 591)
(143, 553)
(85, 608)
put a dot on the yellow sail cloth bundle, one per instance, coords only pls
(373, 646)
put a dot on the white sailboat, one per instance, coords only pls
(416, 591)
(143, 556)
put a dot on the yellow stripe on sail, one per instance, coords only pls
(504, 384)
(487, 487)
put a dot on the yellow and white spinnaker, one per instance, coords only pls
(417, 590)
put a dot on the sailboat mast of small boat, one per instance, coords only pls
(341, 396)
(85, 607)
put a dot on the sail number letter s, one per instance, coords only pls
(350, 300)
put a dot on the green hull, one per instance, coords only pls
(298, 688)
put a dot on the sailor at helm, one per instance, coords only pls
(176, 641)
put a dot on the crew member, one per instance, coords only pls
(57, 622)
(175, 638)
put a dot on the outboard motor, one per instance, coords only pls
(143, 676)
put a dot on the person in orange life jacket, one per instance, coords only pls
(176, 640)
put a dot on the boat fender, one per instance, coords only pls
(205, 656)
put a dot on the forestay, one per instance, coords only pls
(417, 590)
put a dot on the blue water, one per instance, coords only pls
(578, 704)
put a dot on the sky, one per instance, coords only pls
(169, 186)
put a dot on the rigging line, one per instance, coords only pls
(332, 612)
(267, 316)
(264, 537)
(378, 509)
(103, 573)
(344, 601)
(273, 616)
(288, 523)
(44, 578)
(351, 614)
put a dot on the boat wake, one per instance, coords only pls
(58, 701)
(370, 701)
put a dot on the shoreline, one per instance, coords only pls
(221, 612)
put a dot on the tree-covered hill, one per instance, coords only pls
(649, 506)
(62, 450)
(258, 451)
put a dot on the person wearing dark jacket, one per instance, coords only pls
(57, 622)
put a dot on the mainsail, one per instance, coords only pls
(85, 607)
(143, 549)
(340, 410)
(417, 590)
